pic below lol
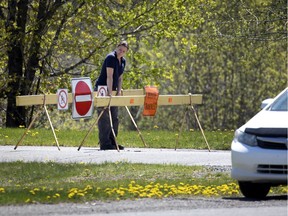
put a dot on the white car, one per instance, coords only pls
(259, 149)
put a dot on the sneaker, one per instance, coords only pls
(111, 147)
(120, 147)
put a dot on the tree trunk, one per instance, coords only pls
(15, 116)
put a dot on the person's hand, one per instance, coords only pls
(119, 93)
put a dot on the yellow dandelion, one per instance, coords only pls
(81, 194)
(73, 190)
(98, 189)
(70, 195)
(88, 187)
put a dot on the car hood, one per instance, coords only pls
(268, 119)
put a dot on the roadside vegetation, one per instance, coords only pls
(156, 138)
(51, 182)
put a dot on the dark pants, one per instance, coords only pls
(106, 137)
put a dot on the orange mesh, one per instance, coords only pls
(150, 102)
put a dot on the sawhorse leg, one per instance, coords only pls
(33, 120)
(136, 126)
(198, 122)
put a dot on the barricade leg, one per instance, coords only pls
(25, 133)
(112, 128)
(136, 126)
(32, 122)
(93, 125)
(181, 128)
(52, 128)
(200, 126)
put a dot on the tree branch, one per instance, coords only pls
(60, 27)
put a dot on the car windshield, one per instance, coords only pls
(281, 103)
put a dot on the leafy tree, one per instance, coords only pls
(233, 52)
(236, 58)
(46, 42)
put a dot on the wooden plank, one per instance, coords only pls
(136, 100)
(29, 100)
(179, 99)
(139, 100)
(128, 100)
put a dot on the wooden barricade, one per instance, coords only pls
(130, 97)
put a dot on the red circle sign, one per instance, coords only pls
(62, 99)
(83, 98)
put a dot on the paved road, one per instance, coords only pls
(265, 211)
(133, 155)
(196, 206)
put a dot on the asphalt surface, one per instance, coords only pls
(133, 155)
(196, 206)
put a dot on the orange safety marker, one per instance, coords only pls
(150, 101)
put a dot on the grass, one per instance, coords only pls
(52, 182)
(217, 140)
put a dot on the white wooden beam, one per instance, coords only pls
(138, 100)
(129, 98)
(28, 100)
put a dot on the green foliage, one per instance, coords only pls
(233, 52)
(236, 59)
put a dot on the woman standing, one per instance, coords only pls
(111, 76)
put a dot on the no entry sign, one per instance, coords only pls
(83, 101)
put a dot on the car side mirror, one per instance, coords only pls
(266, 102)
